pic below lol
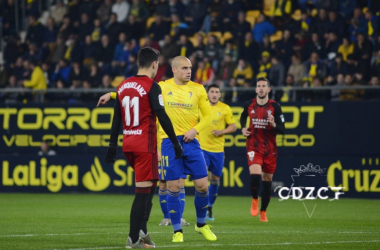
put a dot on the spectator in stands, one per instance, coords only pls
(8, 15)
(249, 49)
(34, 53)
(372, 24)
(315, 67)
(332, 44)
(230, 11)
(304, 25)
(48, 73)
(296, 69)
(199, 46)
(131, 68)
(74, 12)
(160, 76)
(158, 29)
(186, 48)
(85, 27)
(328, 4)
(74, 51)
(35, 31)
(140, 11)
(50, 33)
(195, 13)
(118, 52)
(315, 45)
(104, 11)
(59, 12)
(213, 51)
(362, 54)
(212, 21)
(241, 28)
(90, 51)
(358, 24)
(106, 82)
(338, 66)
(372, 94)
(26, 70)
(231, 50)
(62, 72)
(66, 29)
(375, 69)
(11, 98)
(352, 64)
(134, 29)
(161, 8)
(205, 74)
(243, 72)
(170, 48)
(38, 80)
(319, 95)
(319, 25)
(113, 28)
(346, 48)
(45, 150)
(177, 28)
(105, 55)
(58, 51)
(87, 96)
(226, 71)
(12, 51)
(350, 94)
(129, 47)
(121, 9)
(265, 65)
(89, 7)
(232, 95)
(76, 75)
(284, 48)
(335, 93)
(335, 24)
(149, 42)
(276, 74)
(280, 10)
(262, 28)
(346, 8)
(94, 76)
(18, 69)
(98, 31)
(176, 7)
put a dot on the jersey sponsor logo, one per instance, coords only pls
(259, 123)
(251, 154)
(170, 93)
(282, 118)
(132, 85)
(132, 132)
(179, 105)
(161, 100)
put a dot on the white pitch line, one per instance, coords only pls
(221, 232)
(220, 245)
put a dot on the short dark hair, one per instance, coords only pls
(212, 86)
(147, 56)
(263, 79)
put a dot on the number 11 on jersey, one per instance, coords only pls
(127, 104)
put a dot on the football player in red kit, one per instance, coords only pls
(265, 121)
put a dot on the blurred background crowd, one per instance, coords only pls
(86, 44)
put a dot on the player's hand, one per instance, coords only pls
(246, 131)
(111, 154)
(104, 99)
(159, 155)
(178, 150)
(217, 132)
(190, 135)
(271, 121)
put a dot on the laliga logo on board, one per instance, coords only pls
(307, 185)
(96, 179)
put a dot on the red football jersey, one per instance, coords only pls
(139, 97)
(263, 136)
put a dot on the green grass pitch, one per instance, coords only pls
(100, 221)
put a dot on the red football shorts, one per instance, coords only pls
(145, 165)
(267, 163)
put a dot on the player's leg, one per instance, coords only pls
(144, 230)
(182, 198)
(215, 168)
(254, 183)
(174, 207)
(162, 196)
(265, 195)
(144, 182)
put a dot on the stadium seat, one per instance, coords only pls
(149, 22)
(314, 12)
(297, 15)
(365, 9)
(253, 13)
(218, 34)
(226, 36)
(193, 40)
(276, 36)
(251, 20)
(267, 5)
(117, 80)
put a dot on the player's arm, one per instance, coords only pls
(278, 122)
(243, 120)
(111, 152)
(157, 105)
(106, 97)
(229, 119)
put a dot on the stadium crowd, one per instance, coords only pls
(94, 44)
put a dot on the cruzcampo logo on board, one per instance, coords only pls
(96, 179)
